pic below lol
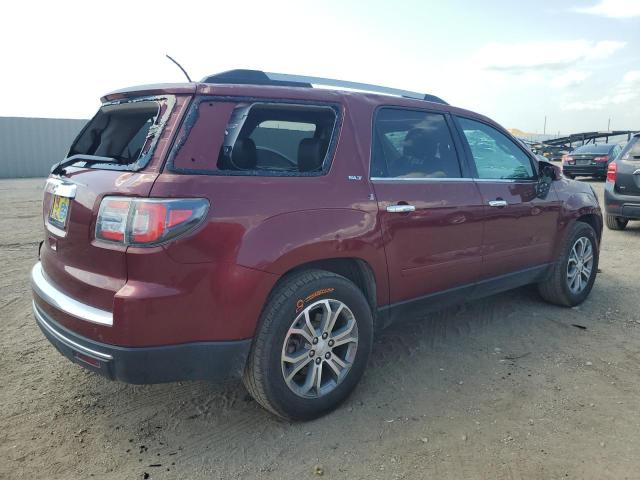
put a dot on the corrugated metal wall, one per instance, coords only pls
(29, 146)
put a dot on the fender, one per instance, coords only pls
(577, 200)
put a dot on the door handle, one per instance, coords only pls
(400, 208)
(498, 203)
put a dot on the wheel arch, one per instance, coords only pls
(594, 220)
(354, 269)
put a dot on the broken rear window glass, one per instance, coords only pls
(277, 138)
(260, 138)
(121, 135)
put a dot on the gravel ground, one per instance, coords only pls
(503, 388)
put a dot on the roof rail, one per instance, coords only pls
(257, 77)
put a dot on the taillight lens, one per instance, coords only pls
(568, 159)
(602, 159)
(147, 221)
(112, 219)
(612, 170)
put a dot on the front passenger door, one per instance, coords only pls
(430, 209)
(519, 227)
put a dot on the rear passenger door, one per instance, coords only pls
(520, 228)
(429, 207)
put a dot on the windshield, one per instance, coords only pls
(122, 135)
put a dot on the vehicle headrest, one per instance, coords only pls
(417, 143)
(244, 154)
(310, 154)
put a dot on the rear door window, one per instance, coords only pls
(412, 144)
(258, 139)
(495, 155)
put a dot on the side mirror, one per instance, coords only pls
(547, 173)
(548, 170)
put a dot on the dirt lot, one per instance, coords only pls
(505, 387)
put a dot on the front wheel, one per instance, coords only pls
(616, 223)
(574, 273)
(311, 347)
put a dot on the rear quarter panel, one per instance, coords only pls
(273, 224)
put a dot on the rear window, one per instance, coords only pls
(259, 138)
(632, 150)
(123, 134)
(603, 148)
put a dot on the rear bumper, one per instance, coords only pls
(623, 206)
(144, 365)
(44, 289)
(599, 170)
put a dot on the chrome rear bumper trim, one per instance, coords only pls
(54, 297)
(67, 341)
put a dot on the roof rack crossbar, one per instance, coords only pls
(256, 77)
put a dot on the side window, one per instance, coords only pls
(274, 139)
(277, 138)
(495, 155)
(632, 150)
(412, 144)
(255, 138)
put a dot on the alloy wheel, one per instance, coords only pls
(319, 348)
(580, 265)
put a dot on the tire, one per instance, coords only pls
(616, 223)
(557, 288)
(569, 176)
(313, 292)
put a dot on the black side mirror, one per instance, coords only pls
(547, 174)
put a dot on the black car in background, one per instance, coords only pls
(590, 160)
(622, 190)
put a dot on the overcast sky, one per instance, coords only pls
(576, 61)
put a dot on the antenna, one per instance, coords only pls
(180, 67)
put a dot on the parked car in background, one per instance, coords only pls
(622, 190)
(552, 152)
(590, 160)
(252, 224)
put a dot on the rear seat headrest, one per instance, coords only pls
(244, 154)
(310, 154)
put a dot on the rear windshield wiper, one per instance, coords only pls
(81, 157)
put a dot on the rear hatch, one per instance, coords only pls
(119, 152)
(591, 156)
(628, 168)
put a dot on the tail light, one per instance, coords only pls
(602, 159)
(612, 171)
(568, 159)
(147, 221)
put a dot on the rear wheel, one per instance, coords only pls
(574, 273)
(311, 347)
(616, 223)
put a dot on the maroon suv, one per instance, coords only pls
(253, 224)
